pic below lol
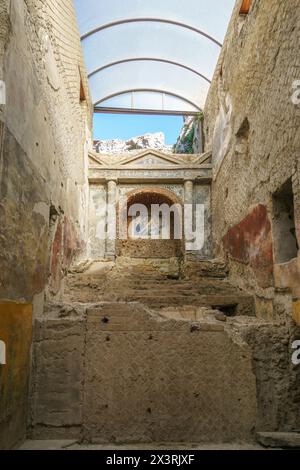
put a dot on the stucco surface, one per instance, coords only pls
(16, 333)
(44, 138)
(251, 124)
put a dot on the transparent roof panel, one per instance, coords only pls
(152, 55)
(119, 44)
(149, 76)
(152, 101)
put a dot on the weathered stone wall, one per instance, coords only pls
(277, 378)
(150, 249)
(121, 373)
(44, 136)
(251, 124)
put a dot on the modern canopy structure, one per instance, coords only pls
(154, 56)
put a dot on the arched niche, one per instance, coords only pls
(139, 242)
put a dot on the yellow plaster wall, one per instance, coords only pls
(16, 332)
(296, 311)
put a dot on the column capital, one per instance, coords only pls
(112, 180)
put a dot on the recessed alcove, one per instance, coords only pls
(285, 240)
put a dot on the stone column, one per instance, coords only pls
(188, 192)
(111, 219)
(188, 213)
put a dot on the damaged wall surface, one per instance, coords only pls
(252, 126)
(44, 136)
(136, 376)
(139, 336)
(195, 346)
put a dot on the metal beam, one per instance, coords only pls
(150, 20)
(143, 111)
(150, 59)
(123, 92)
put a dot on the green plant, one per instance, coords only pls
(188, 141)
(199, 117)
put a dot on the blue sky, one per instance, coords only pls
(125, 126)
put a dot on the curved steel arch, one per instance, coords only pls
(152, 59)
(153, 90)
(153, 20)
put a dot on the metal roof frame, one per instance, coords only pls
(183, 42)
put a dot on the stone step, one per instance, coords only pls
(279, 439)
(162, 289)
(159, 290)
(178, 288)
(209, 268)
(172, 281)
(230, 305)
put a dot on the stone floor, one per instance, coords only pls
(73, 445)
(158, 284)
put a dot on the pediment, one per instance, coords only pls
(94, 160)
(150, 159)
(204, 158)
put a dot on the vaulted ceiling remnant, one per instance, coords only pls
(152, 56)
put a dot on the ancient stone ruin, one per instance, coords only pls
(139, 339)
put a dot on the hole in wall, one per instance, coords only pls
(244, 129)
(242, 138)
(285, 239)
(228, 310)
(54, 213)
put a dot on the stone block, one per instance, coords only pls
(151, 379)
(279, 439)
